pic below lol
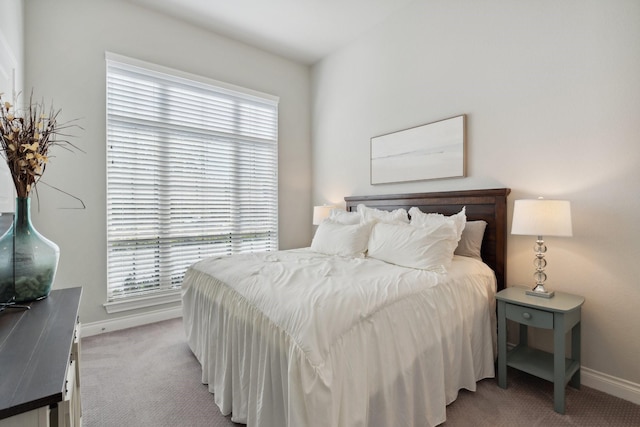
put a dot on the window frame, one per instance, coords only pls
(164, 295)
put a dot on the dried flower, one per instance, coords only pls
(25, 139)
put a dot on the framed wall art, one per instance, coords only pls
(431, 151)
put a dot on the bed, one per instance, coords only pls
(300, 338)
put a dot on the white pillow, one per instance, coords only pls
(426, 248)
(421, 219)
(378, 215)
(343, 217)
(470, 243)
(333, 238)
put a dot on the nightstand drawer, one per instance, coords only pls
(530, 316)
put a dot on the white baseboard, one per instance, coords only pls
(611, 385)
(606, 383)
(124, 322)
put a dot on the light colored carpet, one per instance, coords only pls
(147, 376)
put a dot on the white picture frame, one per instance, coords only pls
(432, 151)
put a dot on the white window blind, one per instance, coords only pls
(191, 173)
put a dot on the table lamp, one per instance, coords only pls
(320, 213)
(541, 218)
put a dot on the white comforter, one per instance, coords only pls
(296, 338)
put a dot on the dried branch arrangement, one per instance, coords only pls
(26, 136)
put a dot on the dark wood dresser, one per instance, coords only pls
(39, 362)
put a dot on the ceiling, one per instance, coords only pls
(301, 30)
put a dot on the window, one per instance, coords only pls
(191, 173)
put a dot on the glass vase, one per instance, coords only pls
(28, 260)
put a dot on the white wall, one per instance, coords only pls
(11, 45)
(65, 42)
(11, 78)
(552, 96)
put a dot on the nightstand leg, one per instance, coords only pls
(559, 371)
(575, 354)
(502, 345)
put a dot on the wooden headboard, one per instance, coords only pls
(487, 205)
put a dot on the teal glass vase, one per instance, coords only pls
(28, 260)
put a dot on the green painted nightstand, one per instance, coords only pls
(561, 314)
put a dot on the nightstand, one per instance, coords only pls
(561, 314)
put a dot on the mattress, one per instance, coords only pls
(297, 338)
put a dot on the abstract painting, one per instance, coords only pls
(431, 151)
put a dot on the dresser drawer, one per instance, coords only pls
(530, 316)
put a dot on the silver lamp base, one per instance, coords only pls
(540, 291)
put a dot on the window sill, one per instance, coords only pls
(142, 302)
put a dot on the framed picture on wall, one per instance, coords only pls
(431, 151)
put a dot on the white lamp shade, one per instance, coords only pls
(320, 213)
(542, 218)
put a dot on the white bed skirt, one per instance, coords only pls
(399, 365)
